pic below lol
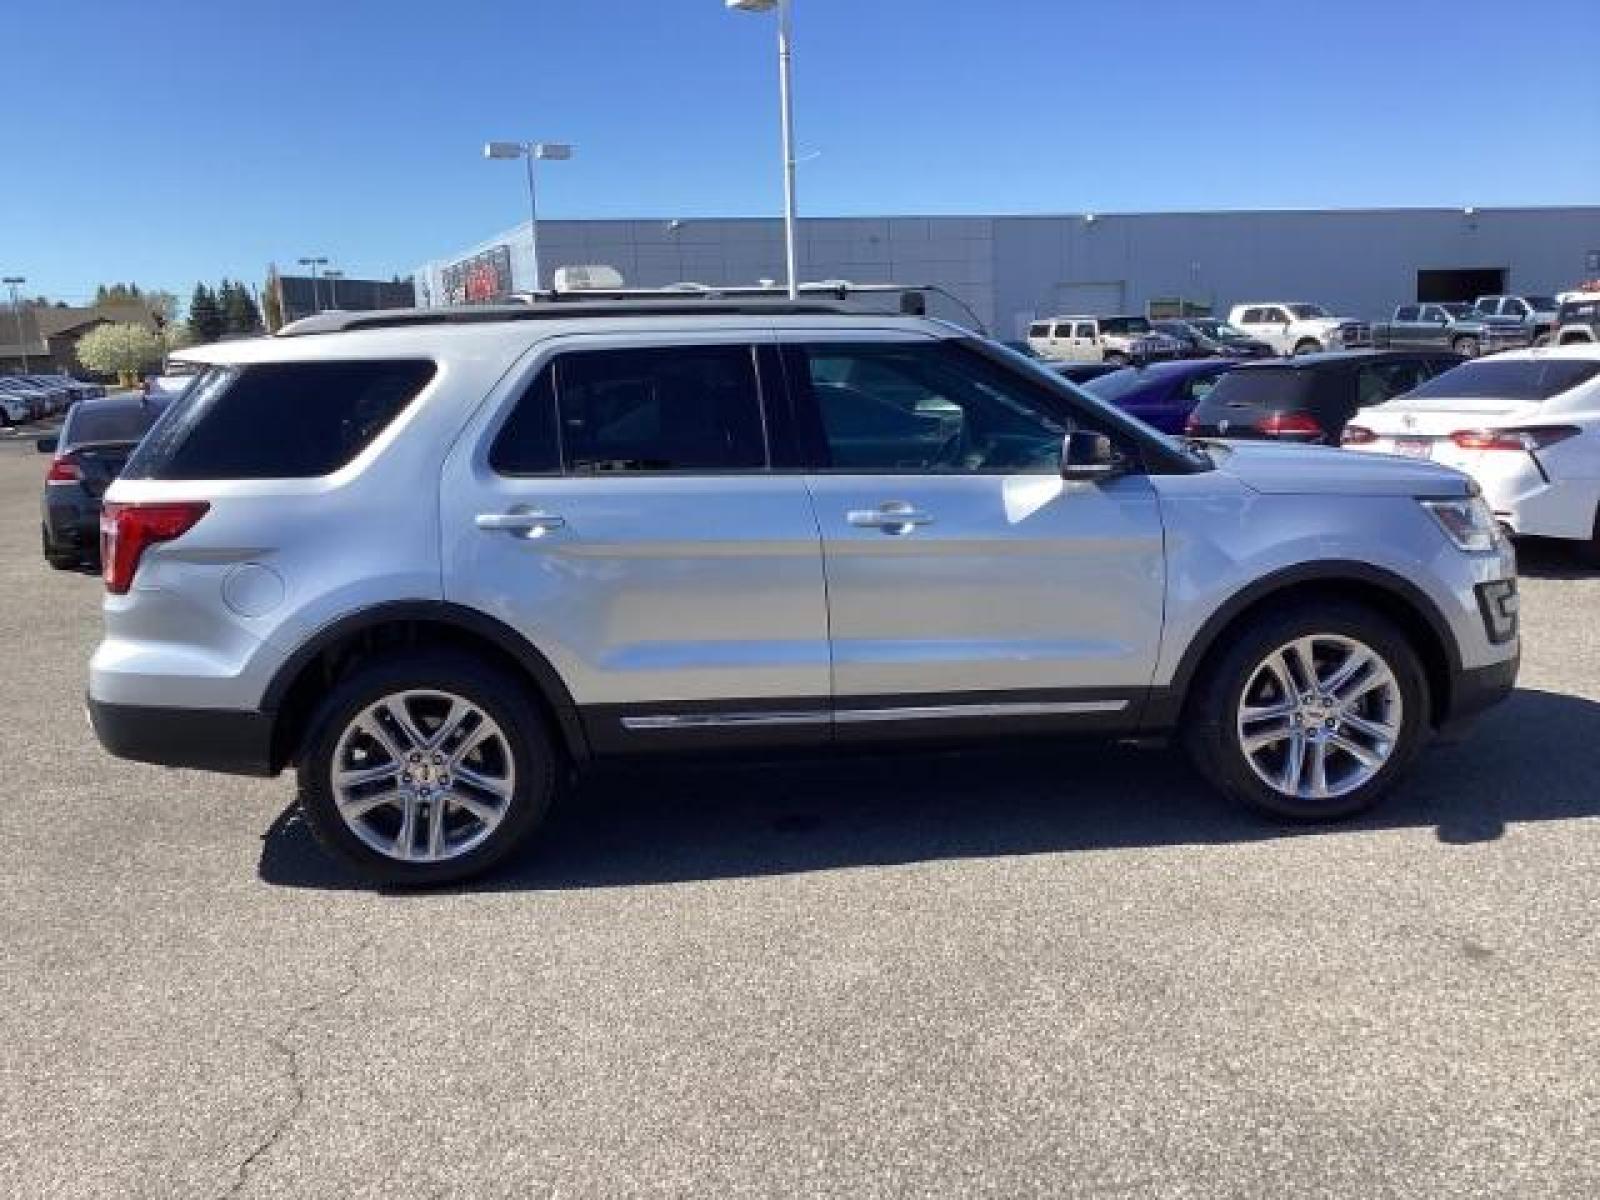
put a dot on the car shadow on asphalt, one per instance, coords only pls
(1534, 758)
(1550, 558)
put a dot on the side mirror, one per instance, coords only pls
(47, 445)
(1088, 457)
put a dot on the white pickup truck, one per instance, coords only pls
(1299, 328)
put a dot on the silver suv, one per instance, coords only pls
(434, 560)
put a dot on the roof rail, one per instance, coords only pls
(484, 314)
(816, 299)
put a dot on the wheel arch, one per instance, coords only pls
(1397, 598)
(302, 680)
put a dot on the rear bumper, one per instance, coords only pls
(233, 741)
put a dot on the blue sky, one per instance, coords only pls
(169, 140)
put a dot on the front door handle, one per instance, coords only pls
(896, 516)
(526, 524)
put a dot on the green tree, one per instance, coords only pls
(121, 350)
(206, 321)
(239, 308)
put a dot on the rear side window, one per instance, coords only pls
(671, 408)
(1509, 379)
(278, 420)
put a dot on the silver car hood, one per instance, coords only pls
(1285, 468)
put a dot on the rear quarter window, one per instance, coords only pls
(278, 420)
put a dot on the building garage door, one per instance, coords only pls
(1459, 283)
(1102, 298)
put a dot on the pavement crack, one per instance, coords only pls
(282, 1044)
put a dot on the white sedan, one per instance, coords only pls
(1525, 424)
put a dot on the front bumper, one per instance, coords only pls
(1476, 689)
(233, 741)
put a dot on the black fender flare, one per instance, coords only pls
(1165, 712)
(538, 668)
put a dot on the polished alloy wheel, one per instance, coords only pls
(423, 776)
(1319, 717)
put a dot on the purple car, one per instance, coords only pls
(1161, 394)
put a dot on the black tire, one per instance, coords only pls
(1307, 346)
(1588, 553)
(528, 739)
(1467, 347)
(56, 558)
(1210, 728)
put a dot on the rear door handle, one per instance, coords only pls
(896, 516)
(528, 524)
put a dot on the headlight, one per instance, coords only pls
(1468, 522)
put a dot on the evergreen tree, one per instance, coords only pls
(239, 308)
(206, 321)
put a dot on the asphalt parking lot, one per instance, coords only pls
(1046, 973)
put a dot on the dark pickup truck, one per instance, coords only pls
(1454, 327)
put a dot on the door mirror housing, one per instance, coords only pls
(1088, 457)
(47, 445)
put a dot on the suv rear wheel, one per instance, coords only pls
(1312, 715)
(426, 769)
(1307, 346)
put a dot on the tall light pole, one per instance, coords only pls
(333, 278)
(786, 104)
(14, 282)
(528, 151)
(316, 296)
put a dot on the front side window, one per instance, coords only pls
(923, 407)
(1086, 329)
(282, 420)
(1409, 313)
(1254, 316)
(671, 408)
(1308, 312)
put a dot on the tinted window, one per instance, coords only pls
(1253, 316)
(1377, 382)
(1269, 388)
(672, 408)
(922, 407)
(1509, 379)
(277, 420)
(1124, 325)
(1086, 329)
(1041, 330)
(113, 423)
(1408, 312)
(527, 443)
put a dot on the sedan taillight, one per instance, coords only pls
(1526, 440)
(128, 530)
(63, 470)
(1357, 435)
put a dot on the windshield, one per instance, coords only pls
(1124, 325)
(1541, 303)
(1508, 379)
(1220, 329)
(1308, 312)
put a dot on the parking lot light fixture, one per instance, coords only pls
(13, 282)
(528, 152)
(786, 109)
(314, 263)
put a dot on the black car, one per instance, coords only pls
(1309, 398)
(1082, 372)
(93, 444)
(1211, 337)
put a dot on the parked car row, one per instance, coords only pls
(25, 398)
(87, 453)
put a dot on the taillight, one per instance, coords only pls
(128, 530)
(1525, 440)
(1357, 435)
(1190, 425)
(63, 470)
(1289, 424)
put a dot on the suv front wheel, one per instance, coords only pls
(1312, 715)
(426, 769)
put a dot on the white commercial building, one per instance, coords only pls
(1360, 262)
